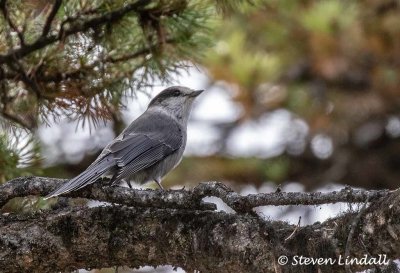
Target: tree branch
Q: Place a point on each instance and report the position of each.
(246, 203)
(75, 74)
(16, 120)
(208, 241)
(50, 18)
(110, 236)
(181, 199)
(27, 79)
(44, 41)
(3, 7)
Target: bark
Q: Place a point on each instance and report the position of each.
(195, 237)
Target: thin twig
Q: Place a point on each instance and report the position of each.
(294, 231)
(50, 18)
(80, 72)
(144, 51)
(44, 41)
(5, 105)
(360, 240)
(16, 120)
(27, 79)
(3, 7)
(351, 234)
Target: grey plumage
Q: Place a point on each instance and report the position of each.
(150, 147)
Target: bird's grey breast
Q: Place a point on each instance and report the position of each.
(174, 136)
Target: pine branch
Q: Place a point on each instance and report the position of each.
(74, 28)
(76, 74)
(4, 9)
(16, 119)
(105, 50)
(50, 18)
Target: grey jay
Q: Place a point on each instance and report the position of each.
(150, 147)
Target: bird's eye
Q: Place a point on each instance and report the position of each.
(176, 93)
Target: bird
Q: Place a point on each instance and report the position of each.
(149, 148)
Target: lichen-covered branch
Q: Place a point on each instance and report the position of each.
(109, 236)
(178, 199)
(247, 203)
(195, 239)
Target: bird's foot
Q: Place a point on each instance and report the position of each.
(129, 183)
(159, 184)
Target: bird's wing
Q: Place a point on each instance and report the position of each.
(149, 139)
(145, 146)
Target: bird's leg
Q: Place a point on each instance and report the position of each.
(112, 180)
(158, 181)
(129, 183)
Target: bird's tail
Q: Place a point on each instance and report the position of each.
(87, 177)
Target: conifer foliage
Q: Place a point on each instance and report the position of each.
(78, 59)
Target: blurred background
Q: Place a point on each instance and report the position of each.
(301, 95)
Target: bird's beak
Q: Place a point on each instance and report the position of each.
(195, 93)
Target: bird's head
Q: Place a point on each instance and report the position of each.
(176, 100)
